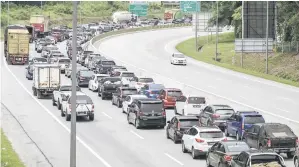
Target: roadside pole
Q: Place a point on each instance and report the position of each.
(196, 27)
(267, 32)
(74, 84)
(242, 33)
(216, 54)
(8, 13)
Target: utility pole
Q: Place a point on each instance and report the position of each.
(267, 33)
(8, 11)
(196, 27)
(216, 54)
(74, 83)
(242, 33)
(41, 6)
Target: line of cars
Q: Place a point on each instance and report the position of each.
(202, 129)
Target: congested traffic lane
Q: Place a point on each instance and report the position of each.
(275, 100)
(117, 142)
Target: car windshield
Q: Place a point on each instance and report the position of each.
(83, 99)
(69, 88)
(156, 86)
(188, 122)
(237, 147)
(86, 73)
(108, 63)
(150, 107)
(196, 100)
(211, 134)
(128, 75)
(224, 112)
(262, 158)
(253, 119)
(178, 56)
(146, 80)
(129, 91)
(39, 60)
(64, 61)
(174, 93)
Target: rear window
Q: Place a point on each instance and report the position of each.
(279, 131)
(64, 61)
(178, 56)
(108, 63)
(188, 122)
(145, 80)
(86, 73)
(174, 93)
(237, 147)
(83, 99)
(224, 112)
(196, 100)
(149, 107)
(128, 75)
(129, 91)
(256, 159)
(156, 86)
(211, 134)
(253, 119)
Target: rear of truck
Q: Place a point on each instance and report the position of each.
(17, 46)
(46, 80)
(40, 24)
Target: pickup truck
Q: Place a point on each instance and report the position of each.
(46, 79)
(258, 158)
(61, 94)
(103, 66)
(107, 86)
(272, 136)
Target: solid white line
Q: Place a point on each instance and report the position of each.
(56, 119)
(136, 134)
(220, 96)
(171, 157)
(106, 115)
(282, 110)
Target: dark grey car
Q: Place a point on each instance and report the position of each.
(221, 153)
(216, 115)
(83, 77)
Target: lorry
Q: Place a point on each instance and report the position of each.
(31, 32)
(40, 24)
(46, 79)
(16, 44)
(61, 94)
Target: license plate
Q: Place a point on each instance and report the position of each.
(196, 106)
(211, 143)
(81, 113)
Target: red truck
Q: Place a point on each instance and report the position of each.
(40, 24)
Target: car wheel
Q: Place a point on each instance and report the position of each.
(68, 117)
(103, 97)
(62, 113)
(137, 124)
(89, 87)
(167, 134)
(91, 117)
(128, 119)
(175, 140)
(194, 156)
(58, 105)
(118, 104)
(296, 162)
(112, 102)
(34, 92)
(184, 150)
(53, 101)
(290, 154)
(226, 132)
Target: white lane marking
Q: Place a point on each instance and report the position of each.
(238, 74)
(282, 110)
(107, 115)
(57, 120)
(171, 157)
(136, 134)
(208, 92)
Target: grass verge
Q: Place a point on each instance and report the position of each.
(9, 157)
(283, 68)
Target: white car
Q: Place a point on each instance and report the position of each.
(85, 107)
(129, 99)
(63, 63)
(94, 81)
(199, 139)
(142, 81)
(178, 58)
(190, 105)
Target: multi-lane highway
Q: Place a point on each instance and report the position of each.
(110, 140)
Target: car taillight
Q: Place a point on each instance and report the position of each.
(269, 143)
(82, 78)
(225, 139)
(199, 140)
(215, 115)
(227, 158)
(179, 126)
(92, 108)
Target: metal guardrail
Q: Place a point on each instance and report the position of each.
(123, 31)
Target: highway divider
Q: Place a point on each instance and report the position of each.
(130, 30)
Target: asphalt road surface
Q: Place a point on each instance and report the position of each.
(109, 140)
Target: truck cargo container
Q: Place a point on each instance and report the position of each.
(40, 24)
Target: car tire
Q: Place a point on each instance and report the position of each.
(53, 101)
(226, 132)
(208, 162)
(112, 101)
(118, 104)
(184, 150)
(194, 156)
(296, 162)
(167, 134)
(62, 113)
(58, 105)
(290, 155)
(91, 117)
(39, 94)
(34, 92)
(175, 140)
(128, 119)
(67, 117)
(103, 97)
(137, 125)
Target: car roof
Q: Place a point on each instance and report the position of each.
(195, 96)
(148, 100)
(218, 106)
(102, 75)
(243, 113)
(258, 152)
(138, 96)
(207, 128)
(172, 89)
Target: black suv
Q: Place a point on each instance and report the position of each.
(275, 136)
(103, 66)
(107, 86)
(216, 115)
(121, 93)
(257, 158)
(178, 125)
(147, 112)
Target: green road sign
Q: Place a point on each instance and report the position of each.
(139, 9)
(190, 6)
